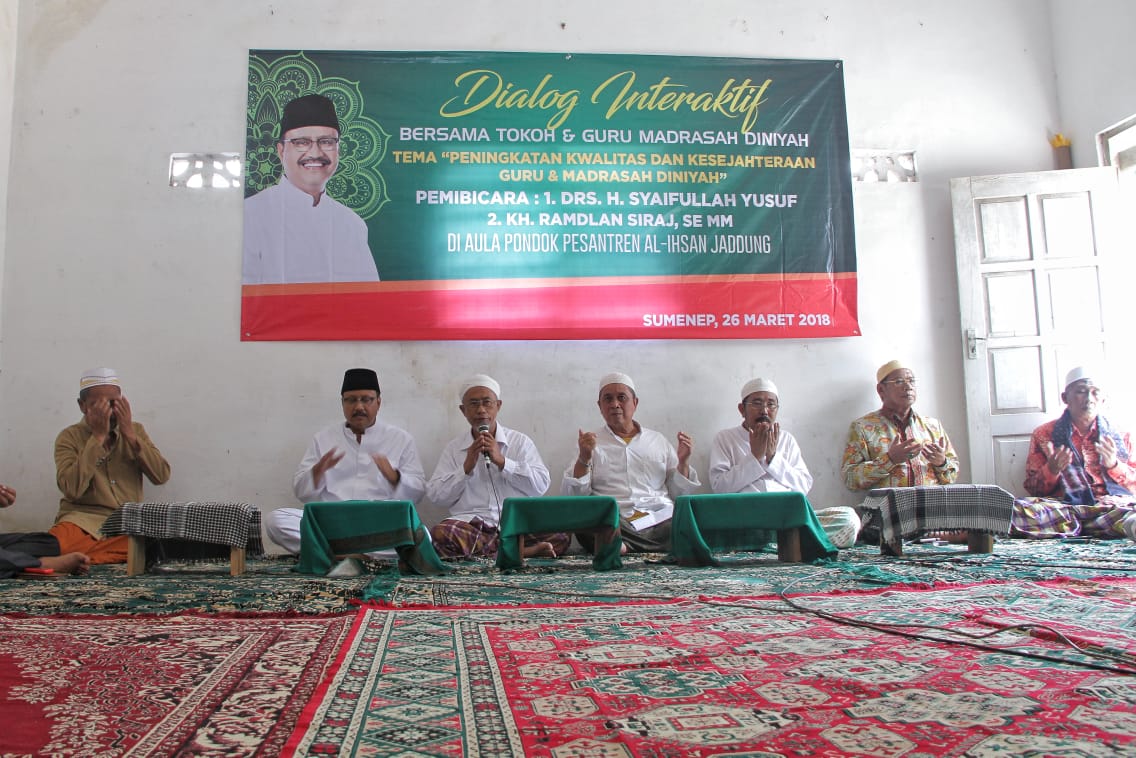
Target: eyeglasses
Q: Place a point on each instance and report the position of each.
(768, 404)
(364, 399)
(905, 382)
(480, 402)
(326, 144)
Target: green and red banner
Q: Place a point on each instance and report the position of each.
(549, 196)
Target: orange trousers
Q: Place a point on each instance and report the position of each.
(73, 539)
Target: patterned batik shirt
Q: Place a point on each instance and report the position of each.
(866, 464)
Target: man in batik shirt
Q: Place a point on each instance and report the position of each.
(895, 446)
(1079, 470)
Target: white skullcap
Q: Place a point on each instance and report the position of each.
(1081, 373)
(889, 367)
(93, 377)
(479, 380)
(616, 377)
(758, 385)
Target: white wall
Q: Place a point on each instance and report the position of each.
(1096, 70)
(106, 265)
(9, 12)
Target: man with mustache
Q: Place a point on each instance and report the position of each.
(895, 446)
(636, 466)
(99, 463)
(293, 231)
(360, 458)
(1079, 470)
(477, 471)
(760, 456)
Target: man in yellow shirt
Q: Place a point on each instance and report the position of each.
(99, 463)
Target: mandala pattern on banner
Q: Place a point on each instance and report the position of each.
(739, 678)
(177, 685)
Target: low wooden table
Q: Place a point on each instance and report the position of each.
(539, 515)
(903, 513)
(333, 529)
(234, 524)
(698, 519)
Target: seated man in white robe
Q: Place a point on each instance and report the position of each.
(360, 458)
(759, 456)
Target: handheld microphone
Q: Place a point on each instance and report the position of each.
(484, 429)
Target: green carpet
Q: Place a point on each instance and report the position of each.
(270, 586)
(653, 578)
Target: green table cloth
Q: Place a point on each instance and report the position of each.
(538, 515)
(700, 519)
(328, 530)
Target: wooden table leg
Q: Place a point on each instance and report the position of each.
(135, 555)
(789, 545)
(236, 561)
(893, 549)
(521, 549)
(979, 543)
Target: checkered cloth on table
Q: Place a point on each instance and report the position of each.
(233, 524)
(906, 512)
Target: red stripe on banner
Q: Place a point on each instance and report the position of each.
(682, 308)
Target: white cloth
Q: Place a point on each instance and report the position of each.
(355, 477)
(287, 239)
(641, 475)
(841, 524)
(734, 469)
(480, 493)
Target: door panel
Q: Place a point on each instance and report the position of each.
(1035, 253)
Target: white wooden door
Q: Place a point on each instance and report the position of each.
(1040, 272)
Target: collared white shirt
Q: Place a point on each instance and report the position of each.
(641, 474)
(287, 239)
(356, 476)
(734, 469)
(480, 493)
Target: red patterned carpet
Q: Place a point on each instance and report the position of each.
(159, 686)
(1027, 652)
(746, 676)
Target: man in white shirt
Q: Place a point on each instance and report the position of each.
(477, 471)
(293, 231)
(362, 459)
(760, 456)
(636, 466)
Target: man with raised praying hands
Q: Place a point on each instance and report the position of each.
(759, 456)
(1079, 471)
(635, 465)
(99, 465)
(895, 446)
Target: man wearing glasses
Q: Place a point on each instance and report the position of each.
(293, 231)
(895, 446)
(476, 472)
(359, 459)
(1079, 471)
(759, 456)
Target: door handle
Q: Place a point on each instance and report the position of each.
(972, 340)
